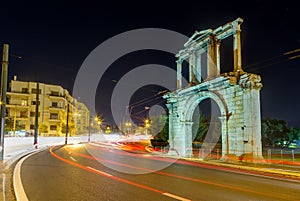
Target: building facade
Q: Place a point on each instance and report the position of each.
(53, 102)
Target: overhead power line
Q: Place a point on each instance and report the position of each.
(291, 52)
(272, 61)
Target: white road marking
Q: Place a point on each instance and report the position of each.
(176, 197)
(104, 173)
(3, 186)
(17, 182)
(282, 170)
(73, 159)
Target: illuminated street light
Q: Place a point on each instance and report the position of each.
(128, 127)
(98, 120)
(147, 125)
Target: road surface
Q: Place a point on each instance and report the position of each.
(89, 172)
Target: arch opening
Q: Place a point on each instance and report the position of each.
(206, 130)
(217, 109)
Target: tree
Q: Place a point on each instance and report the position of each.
(71, 128)
(9, 124)
(160, 127)
(292, 135)
(274, 131)
(62, 125)
(43, 128)
(202, 128)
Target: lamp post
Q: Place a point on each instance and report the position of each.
(67, 125)
(36, 129)
(15, 121)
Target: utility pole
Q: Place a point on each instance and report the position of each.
(67, 125)
(36, 130)
(3, 96)
(15, 121)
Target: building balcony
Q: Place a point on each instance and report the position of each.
(57, 96)
(20, 106)
(54, 120)
(17, 93)
(56, 108)
(21, 117)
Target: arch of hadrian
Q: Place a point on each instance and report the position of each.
(236, 93)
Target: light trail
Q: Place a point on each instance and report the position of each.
(172, 175)
(90, 169)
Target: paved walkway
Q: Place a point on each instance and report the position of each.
(267, 169)
(17, 147)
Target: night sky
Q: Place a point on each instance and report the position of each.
(53, 39)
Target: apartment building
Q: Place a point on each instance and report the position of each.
(53, 102)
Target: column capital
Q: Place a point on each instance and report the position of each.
(179, 61)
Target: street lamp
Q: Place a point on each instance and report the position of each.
(99, 122)
(147, 125)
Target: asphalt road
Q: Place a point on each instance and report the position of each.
(85, 172)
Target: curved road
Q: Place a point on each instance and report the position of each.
(88, 172)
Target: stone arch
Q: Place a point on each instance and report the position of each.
(236, 93)
(192, 103)
(195, 99)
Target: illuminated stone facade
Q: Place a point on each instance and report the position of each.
(236, 93)
(53, 100)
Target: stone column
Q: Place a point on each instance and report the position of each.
(198, 67)
(237, 51)
(218, 57)
(211, 59)
(170, 108)
(256, 135)
(192, 67)
(252, 116)
(179, 73)
(187, 150)
(225, 145)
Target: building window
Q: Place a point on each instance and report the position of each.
(23, 114)
(53, 115)
(54, 93)
(53, 127)
(54, 104)
(33, 90)
(24, 90)
(34, 102)
(24, 102)
(32, 114)
(32, 126)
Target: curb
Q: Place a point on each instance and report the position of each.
(288, 175)
(293, 176)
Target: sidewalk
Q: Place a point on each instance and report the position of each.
(265, 169)
(291, 172)
(17, 147)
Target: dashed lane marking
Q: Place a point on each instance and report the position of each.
(176, 197)
(73, 159)
(95, 170)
